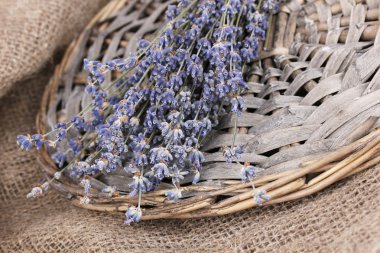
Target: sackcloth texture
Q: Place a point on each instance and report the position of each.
(342, 218)
(32, 30)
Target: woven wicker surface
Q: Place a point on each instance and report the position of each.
(312, 93)
(342, 218)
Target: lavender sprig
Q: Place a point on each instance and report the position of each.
(170, 95)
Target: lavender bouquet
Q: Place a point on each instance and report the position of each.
(152, 121)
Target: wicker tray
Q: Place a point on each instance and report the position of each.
(312, 107)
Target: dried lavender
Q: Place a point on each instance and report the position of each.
(152, 120)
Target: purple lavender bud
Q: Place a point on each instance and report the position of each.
(37, 141)
(134, 122)
(45, 186)
(35, 192)
(91, 89)
(140, 159)
(139, 183)
(247, 172)
(178, 151)
(197, 177)
(79, 168)
(61, 134)
(259, 196)
(160, 154)
(206, 126)
(143, 44)
(174, 117)
(75, 145)
(109, 189)
(177, 136)
(86, 64)
(78, 122)
(165, 129)
(161, 170)
(138, 142)
(237, 105)
(57, 175)
(25, 142)
(59, 158)
(238, 151)
(173, 195)
(86, 183)
(191, 141)
(196, 157)
(229, 154)
(177, 174)
(133, 214)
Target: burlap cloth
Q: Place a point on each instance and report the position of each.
(342, 218)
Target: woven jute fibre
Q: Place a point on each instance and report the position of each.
(32, 30)
(342, 218)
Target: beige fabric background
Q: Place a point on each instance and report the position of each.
(342, 218)
(32, 30)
